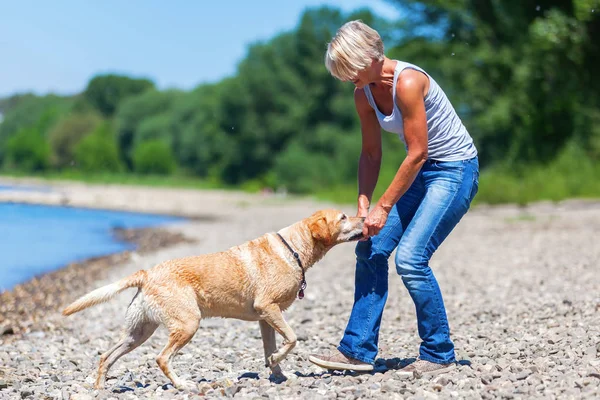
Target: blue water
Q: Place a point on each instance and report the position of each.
(35, 239)
(25, 188)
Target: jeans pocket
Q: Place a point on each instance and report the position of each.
(474, 185)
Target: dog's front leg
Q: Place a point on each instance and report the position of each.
(270, 345)
(271, 314)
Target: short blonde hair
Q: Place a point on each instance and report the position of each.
(353, 48)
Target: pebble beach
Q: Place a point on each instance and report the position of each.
(520, 284)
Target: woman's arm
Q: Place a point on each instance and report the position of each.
(370, 155)
(410, 98)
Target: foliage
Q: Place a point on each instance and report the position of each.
(521, 71)
(143, 117)
(154, 157)
(27, 151)
(98, 152)
(106, 92)
(30, 111)
(571, 175)
(67, 133)
(521, 74)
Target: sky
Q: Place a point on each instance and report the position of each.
(56, 47)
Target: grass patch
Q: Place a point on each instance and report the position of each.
(571, 175)
(175, 181)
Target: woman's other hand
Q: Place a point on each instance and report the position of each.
(375, 221)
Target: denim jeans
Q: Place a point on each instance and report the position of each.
(423, 217)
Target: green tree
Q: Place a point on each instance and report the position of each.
(201, 142)
(281, 91)
(326, 158)
(30, 111)
(98, 152)
(106, 92)
(27, 151)
(66, 135)
(145, 116)
(519, 71)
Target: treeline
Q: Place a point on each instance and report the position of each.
(520, 73)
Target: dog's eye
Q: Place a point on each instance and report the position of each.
(343, 217)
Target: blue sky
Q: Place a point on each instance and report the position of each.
(58, 46)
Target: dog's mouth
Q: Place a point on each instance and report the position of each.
(356, 236)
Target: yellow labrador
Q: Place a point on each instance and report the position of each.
(254, 281)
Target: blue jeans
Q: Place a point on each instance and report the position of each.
(423, 217)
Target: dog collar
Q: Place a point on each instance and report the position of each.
(297, 257)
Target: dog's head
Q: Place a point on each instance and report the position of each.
(331, 227)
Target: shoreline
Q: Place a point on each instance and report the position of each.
(193, 204)
(520, 287)
(23, 307)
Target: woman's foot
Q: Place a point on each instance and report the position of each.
(422, 368)
(339, 361)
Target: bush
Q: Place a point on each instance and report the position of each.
(327, 159)
(302, 171)
(154, 157)
(572, 174)
(27, 151)
(67, 134)
(98, 152)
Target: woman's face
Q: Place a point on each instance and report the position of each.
(362, 78)
(365, 76)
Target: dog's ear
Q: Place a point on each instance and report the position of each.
(320, 229)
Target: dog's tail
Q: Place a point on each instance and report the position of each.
(105, 293)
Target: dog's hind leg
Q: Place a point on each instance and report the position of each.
(138, 329)
(271, 313)
(180, 333)
(270, 345)
(181, 316)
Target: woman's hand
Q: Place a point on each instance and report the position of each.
(375, 221)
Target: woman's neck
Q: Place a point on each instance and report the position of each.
(384, 73)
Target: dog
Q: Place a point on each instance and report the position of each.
(255, 281)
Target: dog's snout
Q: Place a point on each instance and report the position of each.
(361, 222)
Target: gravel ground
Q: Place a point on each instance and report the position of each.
(520, 286)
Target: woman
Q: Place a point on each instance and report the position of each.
(432, 190)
